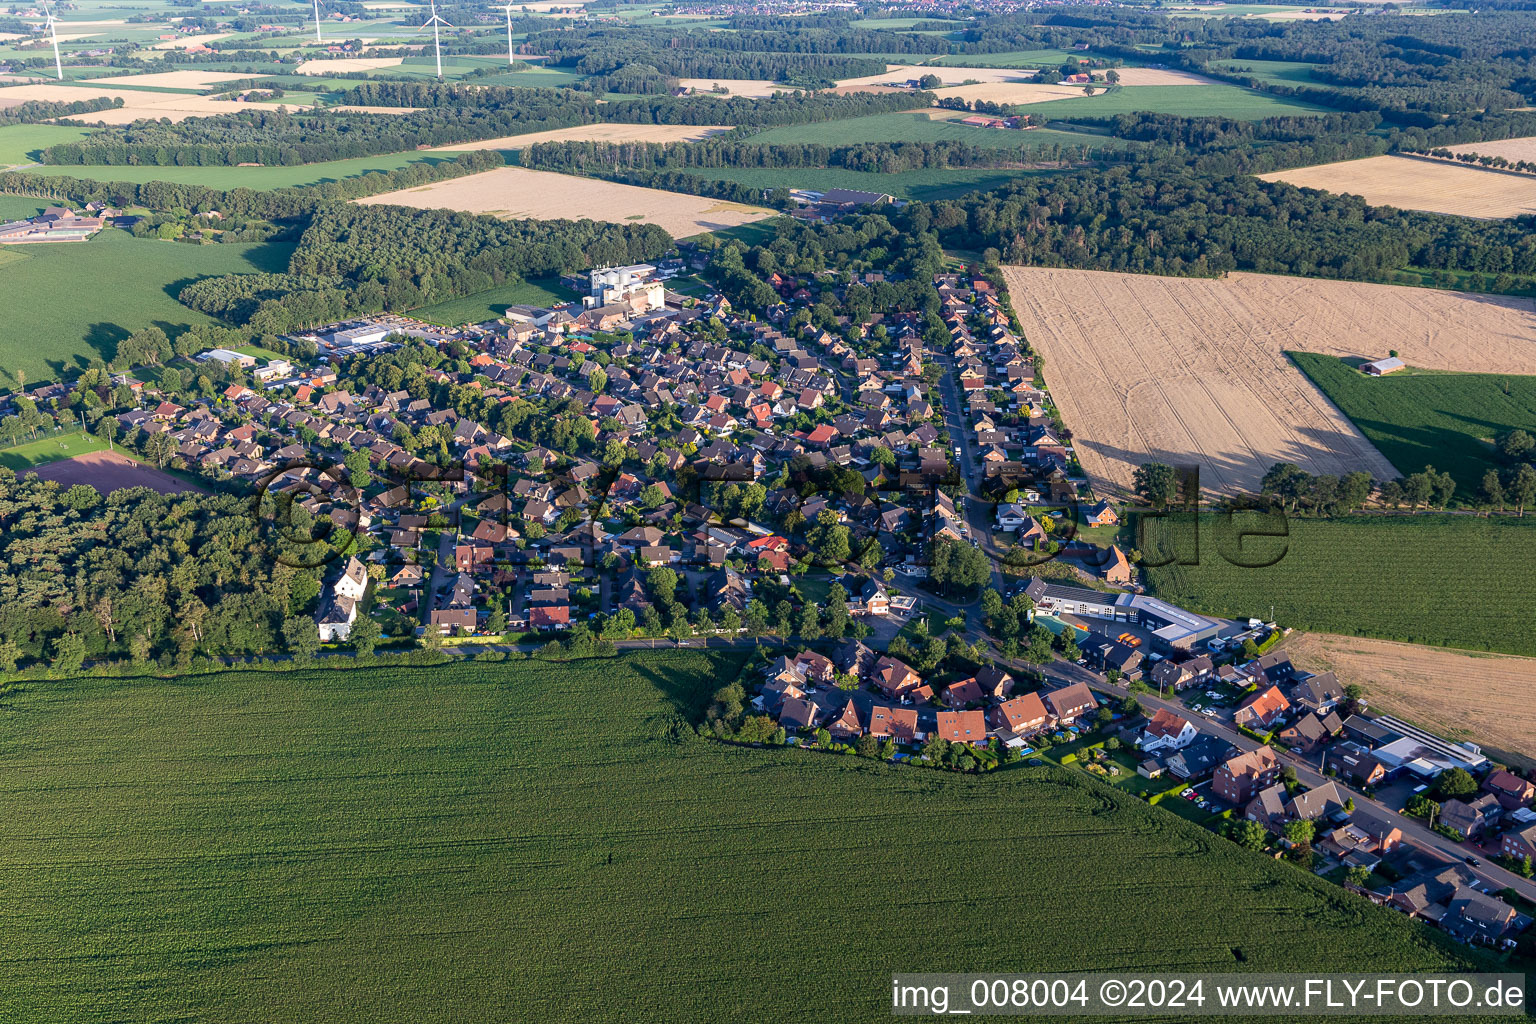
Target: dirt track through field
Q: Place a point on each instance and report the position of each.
(1182, 371)
(597, 133)
(1414, 183)
(1488, 699)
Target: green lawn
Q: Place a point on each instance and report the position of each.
(70, 302)
(1184, 100)
(1452, 581)
(911, 126)
(532, 842)
(488, 305)
(1445, 420)
(31, 454)
(20, 143)
(246, 177)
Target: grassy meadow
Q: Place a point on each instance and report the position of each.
(534, 842)
(492, 303)
(1450, 581)
(1274, 72)
(21, 143)
(68, 303)
(1445, 420)
(913, 126)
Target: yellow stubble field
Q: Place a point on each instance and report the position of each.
(1414, 183)
(516, 192)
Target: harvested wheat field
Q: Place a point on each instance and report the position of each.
(340, 65)
(1184, 371)
(1509, 149)
(900, 74)
(173, 79)
(733, 86)
(137, 103)
(1157, 76)
(597, 133)
(1413, 183)
(516, 192)
(1011, 92)
(1487, 698)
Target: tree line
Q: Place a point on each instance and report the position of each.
(263, 204)
(872, 157)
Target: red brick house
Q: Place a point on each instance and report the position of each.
(963, 727)
(899, 724)
(1070, 702)
(1240, 778)
(896, 678)
(1262, 709)
(1512, 791)
(1023, 715)
(1519, 844)
(847, 725)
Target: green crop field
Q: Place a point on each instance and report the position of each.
(909, 126)
(70, 302)
(1274, 72)
(244, 177)
(551, 843)
(1452, 581)
(928, 184)
(20, 143)
(1445, 420)
(488, 305)
(1184, 100)
(19, 208)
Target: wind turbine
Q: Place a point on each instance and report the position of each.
(317, 21)
(50, 23)
(437, 45)
(510, 60)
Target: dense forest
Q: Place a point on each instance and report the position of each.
(363, 259)
(182, 574)
(874, 157)
(1177, 223)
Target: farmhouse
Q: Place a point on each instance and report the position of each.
(55, 224)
